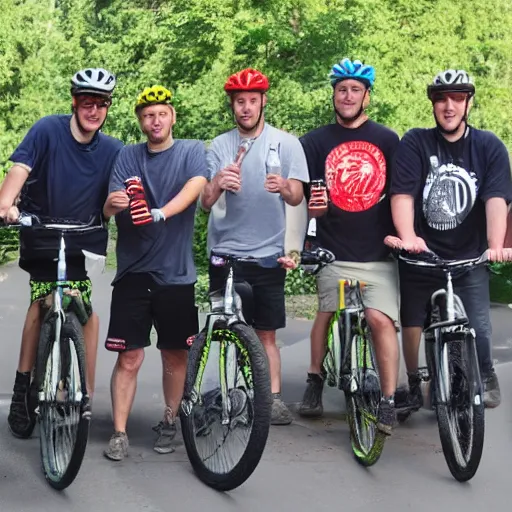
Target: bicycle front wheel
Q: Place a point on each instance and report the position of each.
(64, 413)
(460, 406)
(225, 429)
(363, 394)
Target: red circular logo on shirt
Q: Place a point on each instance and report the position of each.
(355, 175)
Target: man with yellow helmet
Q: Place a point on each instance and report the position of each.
(152, 193)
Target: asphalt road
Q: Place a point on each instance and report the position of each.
(306, 466)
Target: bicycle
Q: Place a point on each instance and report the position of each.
(243, 400)
(63, 410)
(350, 363)
(452, 366)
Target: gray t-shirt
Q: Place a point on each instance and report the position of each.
(252, 221)
(163, 249)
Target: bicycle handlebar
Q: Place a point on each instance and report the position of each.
(26, 220)
(431, 259)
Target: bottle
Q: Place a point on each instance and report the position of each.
(61, 264)
(318, 199)
(139, 209)
(273, 162)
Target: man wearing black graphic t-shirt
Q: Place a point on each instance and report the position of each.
(450, 189)
(353, 156)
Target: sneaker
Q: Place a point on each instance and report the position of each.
(211, 410)
(492, 393)
(166, 433)
(22, 416)
(311, 406)
(387, 416)
(117, 447)
(239, 410)
(281, 415)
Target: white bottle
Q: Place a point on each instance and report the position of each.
(273, 162)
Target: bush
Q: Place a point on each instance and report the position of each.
(299, 283)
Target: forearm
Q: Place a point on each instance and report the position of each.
(188, 195)
(109, 210)
(496, 213)
(210, 194)
(402, 211)
(292, 192)
(12, 185)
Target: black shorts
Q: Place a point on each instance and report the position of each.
(138, 303)
(269, 311)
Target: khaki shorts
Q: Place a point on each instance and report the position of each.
(381, 292)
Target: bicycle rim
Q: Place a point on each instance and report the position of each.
(63, 429)
(363, 399)
(461, 419)
(225, 438)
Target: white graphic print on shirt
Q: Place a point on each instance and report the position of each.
(449, 195)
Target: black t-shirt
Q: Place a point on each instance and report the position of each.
(354, 164)
(450, 183)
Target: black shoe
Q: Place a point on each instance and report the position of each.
(492, 393)
(386, 419)
(311, 406)
(22, 417)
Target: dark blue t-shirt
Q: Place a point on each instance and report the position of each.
(162, 249)
(68, 181)
(450, 183)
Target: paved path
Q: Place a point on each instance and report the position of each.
(306, 466)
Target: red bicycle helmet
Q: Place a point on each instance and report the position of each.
(247, 80)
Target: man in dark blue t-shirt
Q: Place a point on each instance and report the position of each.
(450, 188)
(60, 172)
(153, 192)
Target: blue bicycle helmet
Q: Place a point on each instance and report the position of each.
(356, 70)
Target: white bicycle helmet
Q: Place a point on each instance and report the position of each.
(451, 80)
(96, 81)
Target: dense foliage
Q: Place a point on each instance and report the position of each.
(191, 46)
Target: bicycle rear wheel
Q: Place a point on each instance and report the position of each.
(63, 413)
(224, 454)
(363, 394)
(460, 406)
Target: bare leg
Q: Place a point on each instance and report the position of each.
(174, 363)
(386, 349)
(319, 341)
(411, 339)
(123, 385)
(91, 334)
(30, 338)
(268, 339)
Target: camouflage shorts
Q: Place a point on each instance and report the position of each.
(41, 289)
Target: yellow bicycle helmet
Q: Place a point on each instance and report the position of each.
(155, 95)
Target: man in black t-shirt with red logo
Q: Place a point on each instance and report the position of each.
(353, 156)
(450, 189)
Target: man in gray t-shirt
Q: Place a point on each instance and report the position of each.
(153, 191)
(247, 197)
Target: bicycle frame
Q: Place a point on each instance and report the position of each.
(456, 321)
(225, 310)
(354, 308)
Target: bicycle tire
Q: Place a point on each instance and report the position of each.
(359, 417)
(71, 329)
(261, 419)
(463, 472)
